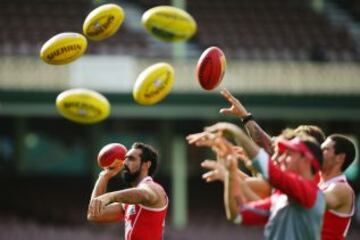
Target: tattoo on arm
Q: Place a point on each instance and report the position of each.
(131, 196)
(239, 201)
(259, 136)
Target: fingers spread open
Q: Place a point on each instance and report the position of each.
(209, 164)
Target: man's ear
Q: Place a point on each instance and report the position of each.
(340, 158)
(147, 164)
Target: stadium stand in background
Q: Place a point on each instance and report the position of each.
(28, 24)
(247, 29)
(266, 43)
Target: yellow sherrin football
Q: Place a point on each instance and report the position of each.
(153, 84)
(63, 48)
(103, 22)
(83, 106)
(169, 23)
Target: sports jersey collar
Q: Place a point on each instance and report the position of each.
(335, 179)
(145, 179)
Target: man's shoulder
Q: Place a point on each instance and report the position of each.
(149, 181)
(340, 187)
(156, 190)
(153, 186)
(341, 191)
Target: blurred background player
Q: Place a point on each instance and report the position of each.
(245, 211)
(338, 153)
(298, 211)
(340, 196)
(142, 207)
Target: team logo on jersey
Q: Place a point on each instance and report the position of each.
(131, 210)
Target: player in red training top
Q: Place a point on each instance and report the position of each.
(142, 207)
(338, 153)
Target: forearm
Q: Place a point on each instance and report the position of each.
(242, 175)
(236, 194)
(100, 186)
(248, 193)
(232, 195)
(108, 207)
(249, 145)
(129, 196)
(259, 136)
(259, 186)
(250, 185)
(109, 213)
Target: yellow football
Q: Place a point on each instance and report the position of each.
(63, 48)
(153, 84)
(83, 106)
(103, 22)
(169, 23)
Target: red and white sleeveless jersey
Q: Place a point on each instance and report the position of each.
(144, 223)
(336, 225)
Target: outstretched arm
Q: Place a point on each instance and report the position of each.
(236, 191)
(259, 136)
(257, 185)
(238, 187)
(252, 188)
(301, 190)
(233, 197)
(252, 128)
(250, 147)
(217, 169)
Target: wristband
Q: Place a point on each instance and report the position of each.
(247, 118)
(103, 174)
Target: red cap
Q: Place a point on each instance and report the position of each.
(297, 145)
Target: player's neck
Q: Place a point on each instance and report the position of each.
(138, 180)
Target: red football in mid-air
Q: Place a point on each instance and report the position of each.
(210, 68)
(111, 155)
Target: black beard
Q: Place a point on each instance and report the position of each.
(129, 177)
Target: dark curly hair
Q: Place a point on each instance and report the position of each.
(343, 144)
(148, 153)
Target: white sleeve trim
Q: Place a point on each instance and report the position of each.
(261, 162)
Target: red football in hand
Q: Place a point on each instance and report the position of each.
(111, 155)
(210, 68)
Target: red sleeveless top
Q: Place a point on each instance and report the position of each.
(144, 223)
(336, 225)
